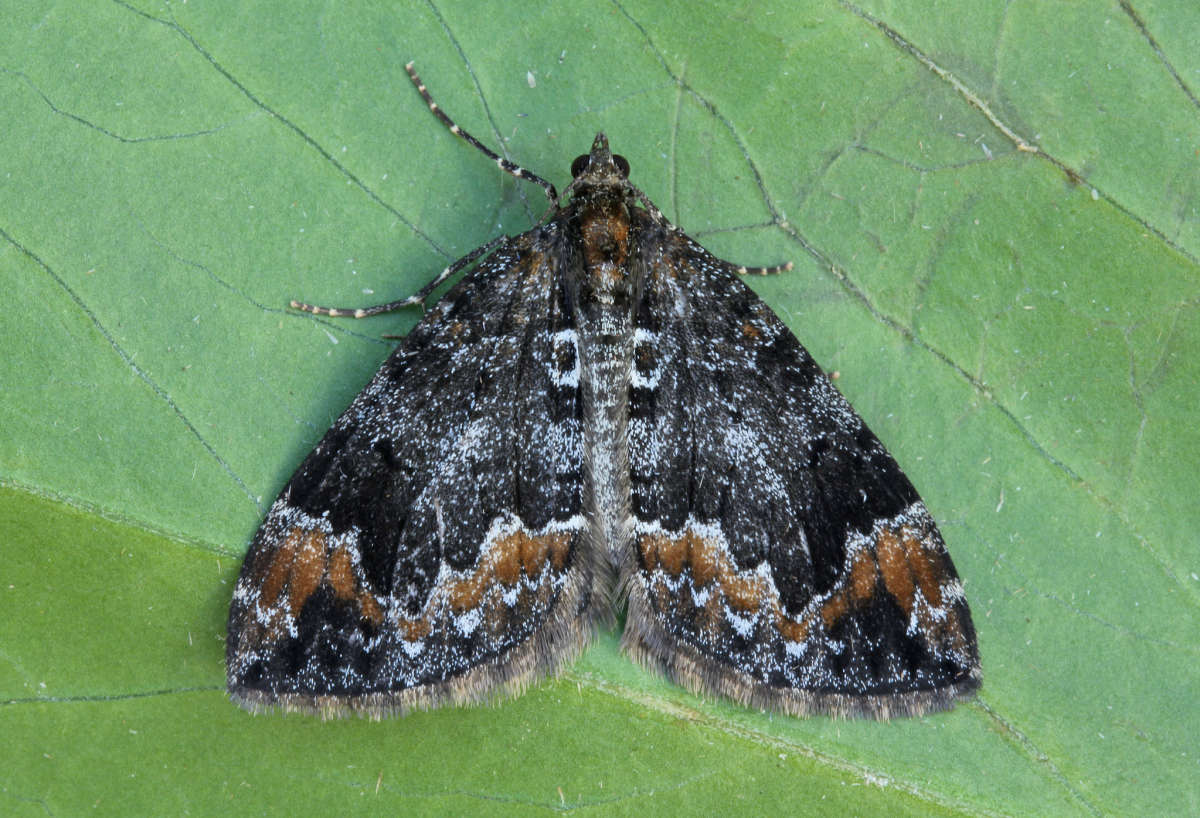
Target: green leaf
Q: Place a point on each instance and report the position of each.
(993, 213)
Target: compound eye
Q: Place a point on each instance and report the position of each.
(622, 165)
(577, 167)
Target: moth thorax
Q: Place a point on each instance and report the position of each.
(604, 229)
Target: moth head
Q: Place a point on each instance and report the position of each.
(600, 167)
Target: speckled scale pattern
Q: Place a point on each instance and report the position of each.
(599, 411)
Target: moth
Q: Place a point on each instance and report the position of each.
(599, 414)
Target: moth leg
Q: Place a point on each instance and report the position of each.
(740, 269)
(761, 271)
(416, 298)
